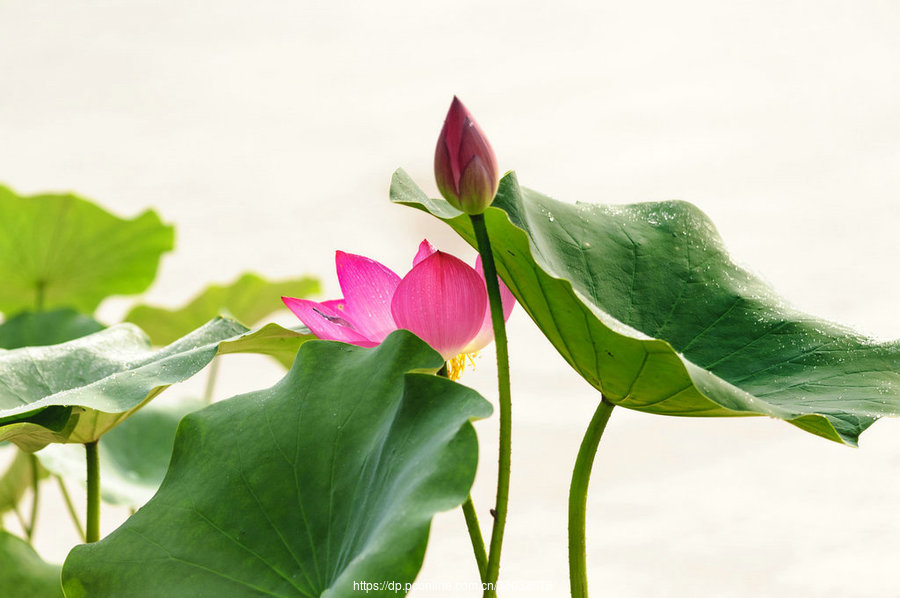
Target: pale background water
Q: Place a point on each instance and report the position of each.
(268, 131)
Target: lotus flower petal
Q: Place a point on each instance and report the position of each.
(326, 321)
(476, 184)
(368, 287)
(442, 301)
(426, 249)
(455, 123)
(474, 144)
(443, 170)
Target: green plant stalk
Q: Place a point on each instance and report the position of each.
(35, 496)
(93, 491)
(21, 519)
(505, 397)
(481, 556)
(471, 516)
(33, 461)
(581, 477)
(72, 513)
(211, 380)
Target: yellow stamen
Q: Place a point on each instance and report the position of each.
(457, 365)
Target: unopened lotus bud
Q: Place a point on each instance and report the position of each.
(464, 163)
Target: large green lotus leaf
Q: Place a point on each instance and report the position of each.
(64, 251)
(645, 303)
(248, 299)
(273, 340)
(79, 390)
(134, 455)
(23, 573)
(46, 328)
(328, 478)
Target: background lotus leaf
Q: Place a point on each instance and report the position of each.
(248, 300)
(64, 251)
(134, 455)
(29, 329)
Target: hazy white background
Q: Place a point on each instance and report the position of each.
(267, 132)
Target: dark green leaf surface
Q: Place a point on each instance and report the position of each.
(64, 251)
(46, 328)
(134, 455)
(23, 573)
(248, 300)
(78, 391)
(645, 303)
(329, 477)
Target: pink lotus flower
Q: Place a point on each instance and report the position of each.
(465, 166)
(441, 300)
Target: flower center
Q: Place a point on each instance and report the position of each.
(457, 365)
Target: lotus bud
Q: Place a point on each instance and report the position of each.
(464, 163)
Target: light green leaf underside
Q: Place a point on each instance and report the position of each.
(79, 390)
(329, 477)
(23, 573)
(248, 300)
(32, 330)
(645, 303)
(134, 455)
(64, 251)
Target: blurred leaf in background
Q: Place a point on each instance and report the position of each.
(248, 300)
(16, 477)
(134, 455)
(64, 251)
(29, 329)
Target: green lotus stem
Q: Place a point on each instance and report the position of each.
(581, 477)
(35, 497)
(505, 451)
(481, 556)
(211, 380)
(20, 518)
(72, 512)
(93, 491)
(471, 516)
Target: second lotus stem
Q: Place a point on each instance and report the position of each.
(92, 531)
(581, 477)
(505, 398)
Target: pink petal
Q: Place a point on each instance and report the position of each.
(451, 135)
(368, 288)
(486, 333)
(442, 301)
(425, 250)
(476, 187)
(444, 174)
(474, 143)
(326, 322)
